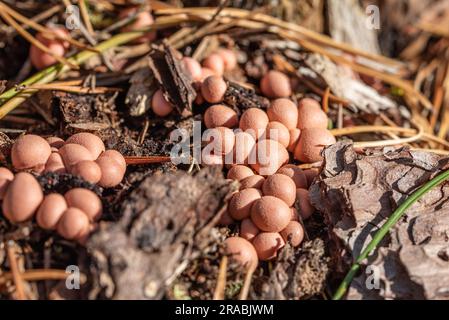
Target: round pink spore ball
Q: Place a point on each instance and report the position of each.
(215, 63)
(275, 84)
(142, 20)
(161, 107)
(193, 68)
(229, 58)
(40, 59)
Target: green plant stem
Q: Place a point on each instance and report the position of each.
(397, 214)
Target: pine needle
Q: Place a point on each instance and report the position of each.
(46, 32)
(146, 159)
(219, 293)
(16, 275)
(85, 16)
(72, 89)
(34, 41)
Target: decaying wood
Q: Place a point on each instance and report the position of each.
(347, 23)
(241, 98)
(357, 192)
(165, 224)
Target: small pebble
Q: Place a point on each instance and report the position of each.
(88, 140)
(22, 198)
(74, 224)
(88, 170)
(296, 174)
(278, 132)
(50, 211)
(29, 152)
(85, 200)
(229, 58)
(310, 115)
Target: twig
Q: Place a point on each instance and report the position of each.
(16, 276)
(73, 89)
(44, 114)
(259, 17)
(39, 275)
(320, 92)
(21, 120)
(340, 116)
(10, 99)
(220, 8)
(326, 99)
(219, 292)
(246, 284)
(390, 142)
(435, 29)
(144, 131)
(46, 32)
(415, 135)
(81, 26)
(34, 41)
(380, 234)
(85, 15)
(390, 79)
(282, 63)
(365, 129)
(146, 159)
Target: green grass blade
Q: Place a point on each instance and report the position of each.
(397, 214)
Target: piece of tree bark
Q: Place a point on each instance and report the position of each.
(357, 192)
(175, 82)
(166, 223)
